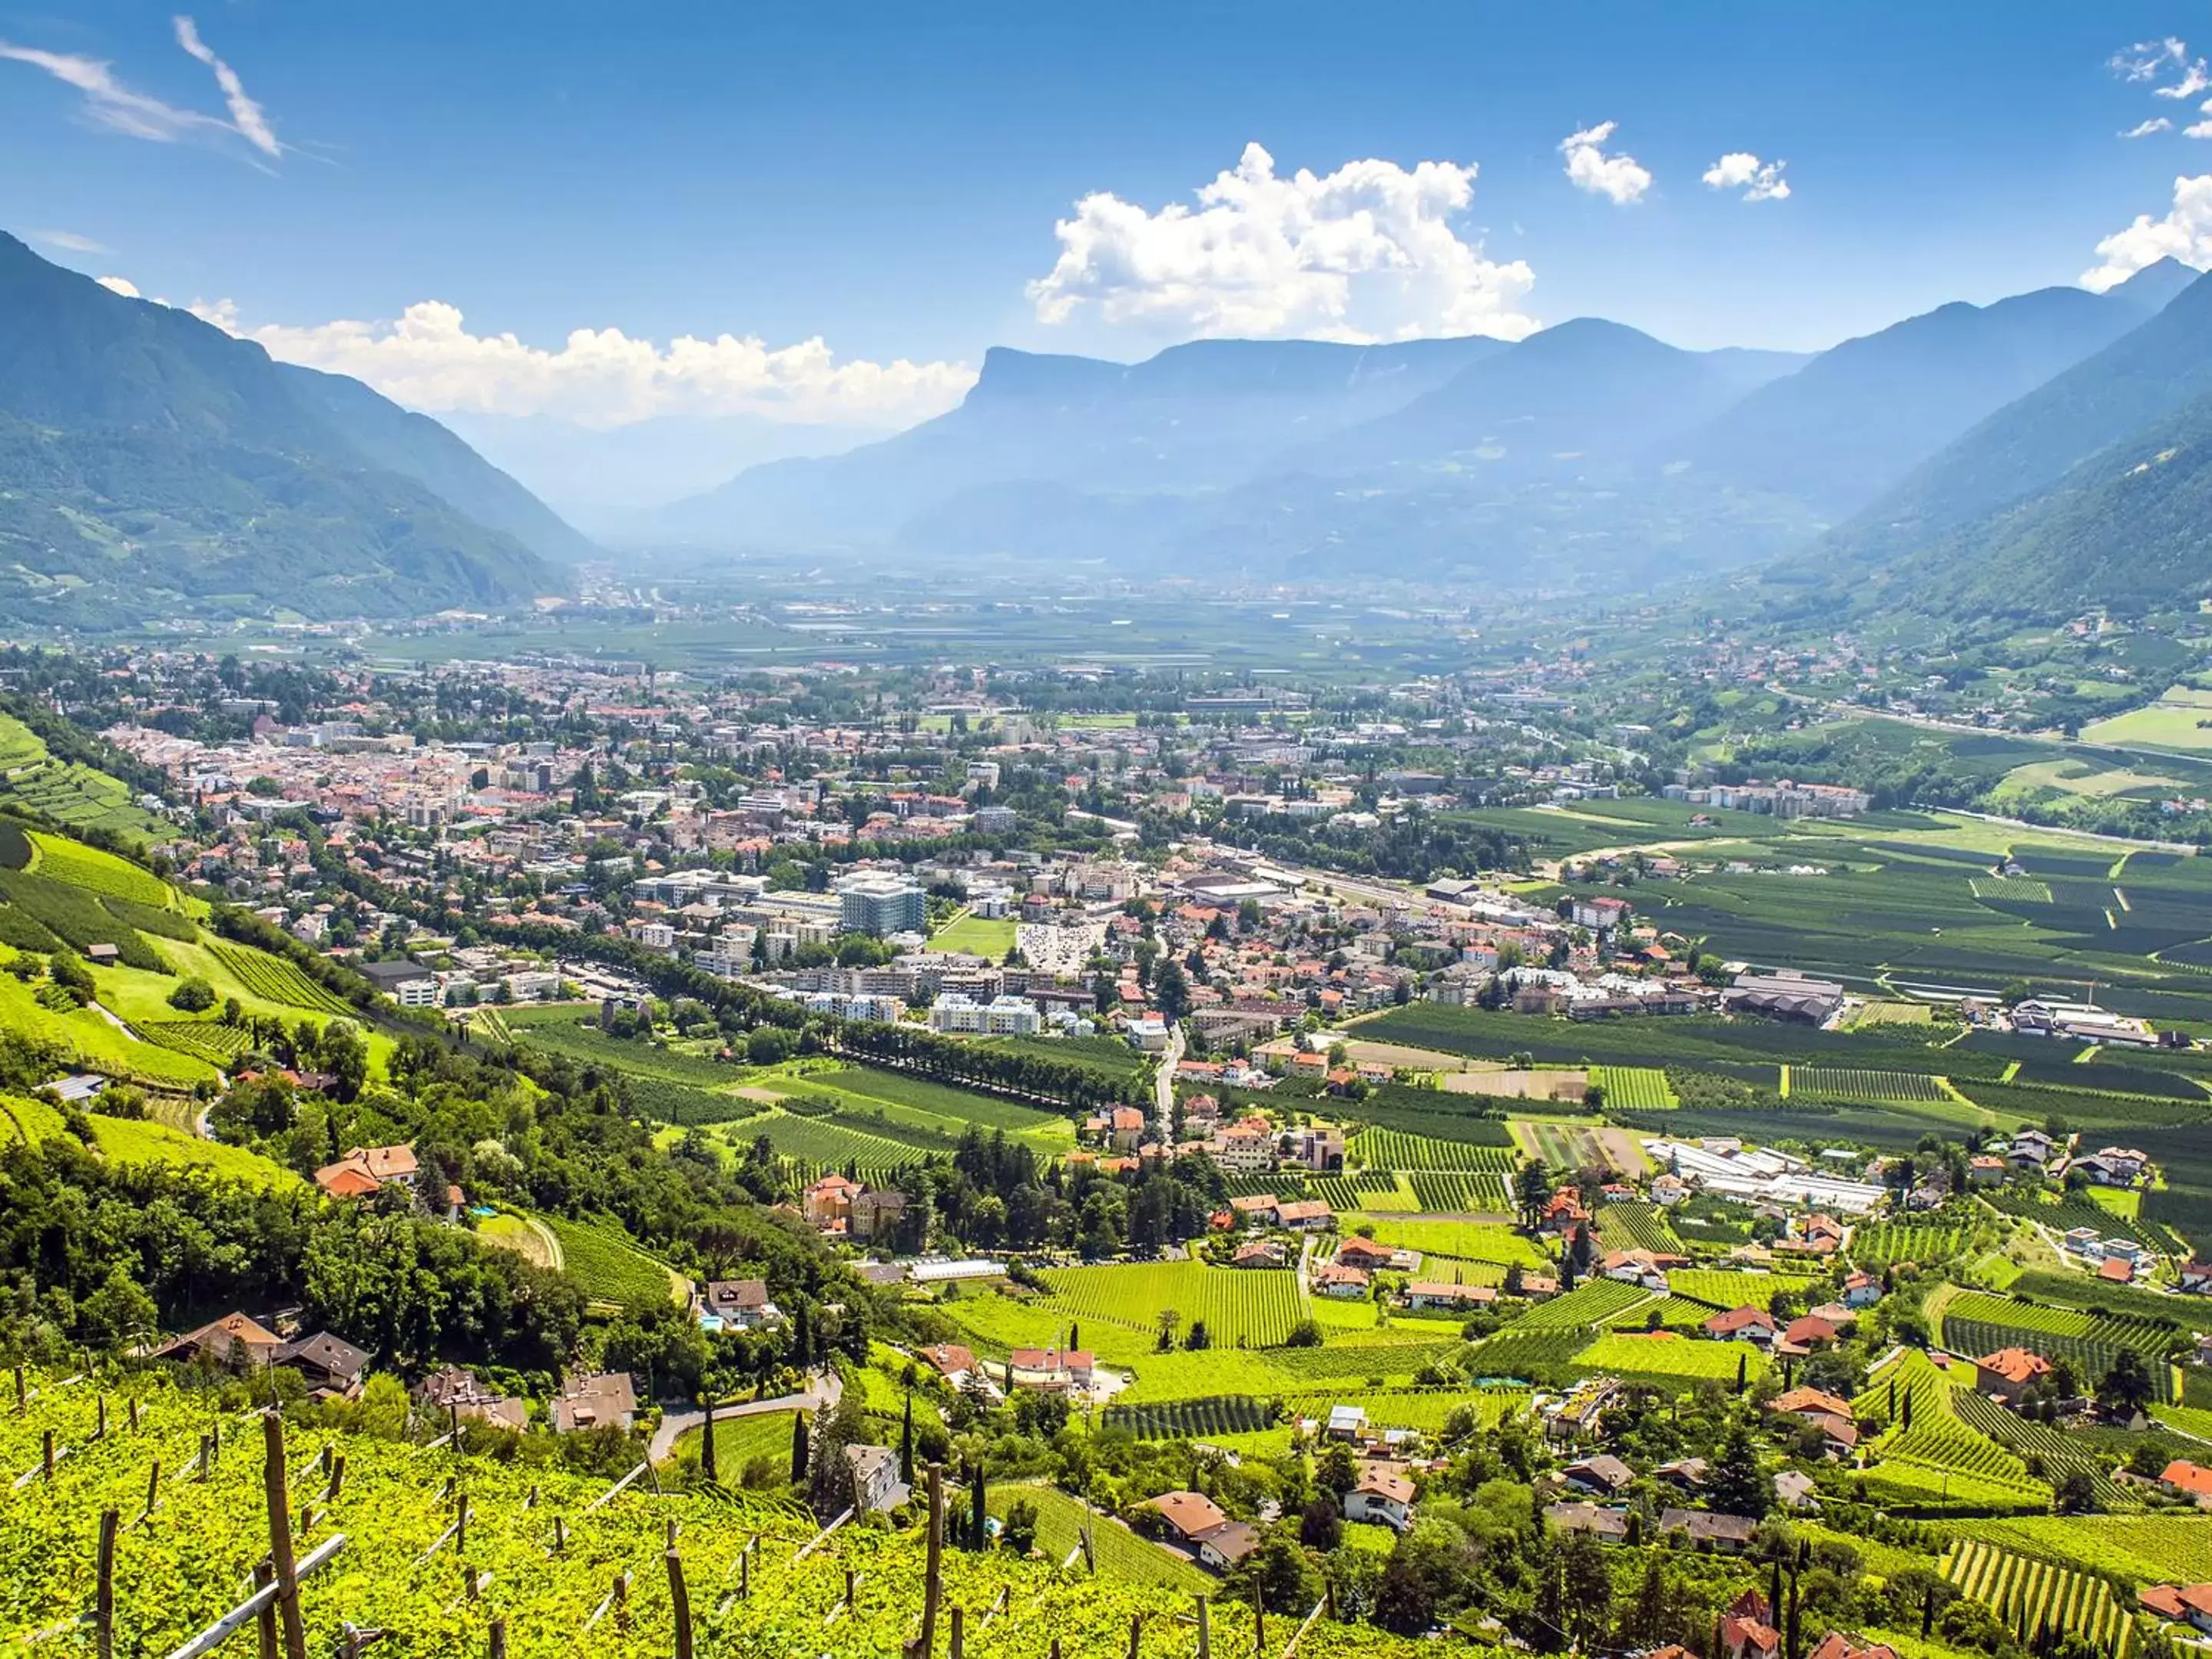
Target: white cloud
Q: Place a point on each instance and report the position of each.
(2185, 233)
(2144, 128)
(111, 103)
(1619, 179)
(2152, 60)
(2197, 129)
(1760, 181)
(601, 378)
(1367, 253)
(246, 116)
(122, 285)
(71, 241)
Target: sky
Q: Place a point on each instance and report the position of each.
(718, 231)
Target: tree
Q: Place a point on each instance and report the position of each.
(1020, 1530)
(194, 995)
(1588, 1583)
(906, 1443)
(2074, 1492)
(1171, 990)
(1735, 1483)
(1320, 1527)
(2127, 1387)
(798, 1447)
(1338, 1474)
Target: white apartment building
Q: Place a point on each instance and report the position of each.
(1003, 1015)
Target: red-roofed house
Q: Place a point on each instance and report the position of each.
(2010, 1372)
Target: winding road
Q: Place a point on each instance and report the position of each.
(822, 1391)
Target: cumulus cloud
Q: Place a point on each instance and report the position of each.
(2183, 234)
(1367, 253)
(122, 285)
(246, 117)
(1760, 181)
(109, 103)
(2144, 128)
(428, 359)
(1619, 179)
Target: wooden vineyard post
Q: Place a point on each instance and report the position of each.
(1259, 1619)
(679, 1602)
(707, 1443)
(22, 1393)
(103, 1601)
(280, 1538)
(1136, 1634)
(461, 1533)
(959, 1633)
(1205, 1629)
(132, 1403)
(560, 1535)
(744, 1578)
(100, 1429)
(932, 1583)
(497, 1639)
(622, 1602)
(153, 1485)
(337, 1478)
(852, 1587)
(207, 1458)
(263, 1576)
(49, 1442)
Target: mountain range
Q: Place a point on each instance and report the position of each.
(153, 466)
(2042, 454)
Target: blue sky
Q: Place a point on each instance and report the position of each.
(888, 177)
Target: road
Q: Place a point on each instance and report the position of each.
(1164, 1084)
(822, 1391)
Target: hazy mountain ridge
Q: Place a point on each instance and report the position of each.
(1588, 453)
(152, 465)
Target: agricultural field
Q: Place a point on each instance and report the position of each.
(68, 792)
(1924, 1239)
(535, 1243)
(757, 1444)
(1569, 1146)
(1590, 1302)
(1856, 1083)
(124, 1140)
(1452, 1194)
(96, 1044)
(2180, 719)
(612, 1270)
(79, 866)
(1120, 1553)
(1722, 1290)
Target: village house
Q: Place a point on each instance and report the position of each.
(1746, 1323)
(736, 1305)
(334, 1369)
(1050, 1370)
(876, 1483)
(607, 1400)
(2010, 1373)
(1382, 1496)
(1599, 1477)
(1342, 1283)
(234, 1339)
(1449, 1299)
(1708, 1529)
(367, 1171)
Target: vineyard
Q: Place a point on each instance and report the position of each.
(1624, 1226)
(1850, 1083)
(204, 1039)
(277, 980)
(1667, 1359)
(1246, 1307)
(613, 1271)
(1393, 1149)
(1635, 1088)
(2065, 1214)
(1457, 1194)
(60, 860)
(1930, 1457)
(1192, 1419)
(1879, 1244)
(1974, 1323)
(1591, 1303)
(443, 1545)
(1537, 1354)
(2030, 1596)
(2151, 1549)
(1466, 1240)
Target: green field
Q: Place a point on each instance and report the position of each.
(2181, 719)
(68, 792)
(1467, 1241)
(990, 937)
(133, 1141)
(1118, 1553)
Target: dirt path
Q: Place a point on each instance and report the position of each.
(822, 1391)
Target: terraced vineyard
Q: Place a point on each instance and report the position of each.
(2055, 1452)
(278, 980)
(2152, 1549)
(2030, 1596)
(1191, 1419)
(1591, 1303)
(1667, 1359)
